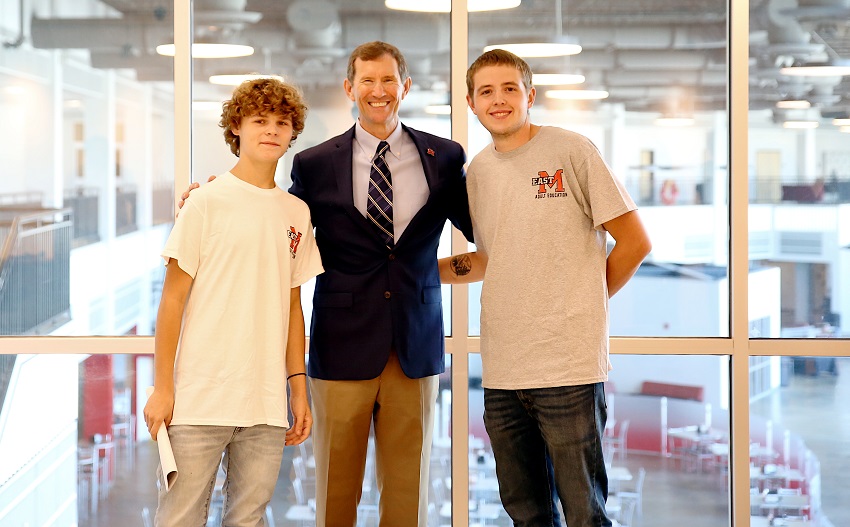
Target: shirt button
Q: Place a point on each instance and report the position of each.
(387, 294)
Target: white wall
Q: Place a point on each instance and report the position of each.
(38, 436)
(711, 372)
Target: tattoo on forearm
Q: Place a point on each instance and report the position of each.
(461, 265)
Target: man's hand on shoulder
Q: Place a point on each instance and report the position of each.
(185, 195)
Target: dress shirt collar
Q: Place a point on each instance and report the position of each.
(369, 143)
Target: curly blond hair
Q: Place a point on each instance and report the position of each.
(262, 96)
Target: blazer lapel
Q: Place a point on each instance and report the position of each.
(342, 166)
(429, 165)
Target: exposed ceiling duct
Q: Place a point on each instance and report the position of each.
(640, 51)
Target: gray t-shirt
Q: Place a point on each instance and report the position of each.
(537, 212)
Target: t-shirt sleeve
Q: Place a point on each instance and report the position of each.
(184, 242)
(306, 262)
(607, 195)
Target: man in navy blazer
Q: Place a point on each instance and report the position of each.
(376, 338)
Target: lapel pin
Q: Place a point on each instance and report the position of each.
(430, 152)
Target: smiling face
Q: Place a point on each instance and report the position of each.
(501, 101)
(264, 137)
(377, 89)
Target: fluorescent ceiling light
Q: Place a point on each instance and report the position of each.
(237, 79)
(818, 69)
(841, 122)
(789, 104)
(844, 129)
(556, 79)
(800, 124)
(577, 95)
(73, 103)
(206, 106)
(203, 50)
(438, 109)
(445, 6)
(536, 48)
(673, 122)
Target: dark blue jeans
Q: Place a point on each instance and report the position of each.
(567, 422)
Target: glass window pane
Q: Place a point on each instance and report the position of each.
(308, 44)
(662, 128)
(87, 458)
(796, 466)
(85, 201)
(665, 441)
(799, 178)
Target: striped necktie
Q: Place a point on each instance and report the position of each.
(379, 206)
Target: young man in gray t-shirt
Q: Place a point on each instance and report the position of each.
(542, 202)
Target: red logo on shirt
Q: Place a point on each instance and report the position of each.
(544, 180)
(294, 240)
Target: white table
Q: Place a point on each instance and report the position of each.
(776, 502)
(613, 505)
(478, 510)
(778, 472)
(618, 473)
(762, 521)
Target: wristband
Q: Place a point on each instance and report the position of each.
(295, 375)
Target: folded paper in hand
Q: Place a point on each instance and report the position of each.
(166, 455)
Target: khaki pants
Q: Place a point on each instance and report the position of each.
(403, 413)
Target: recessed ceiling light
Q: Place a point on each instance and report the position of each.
(438, 109)
(206, 106)
(556, 79)
(835, 68)
(445, 6)
(673, 122)
(205, 50)
(844, 129)
(800, 124)
(534, 47)
(577, 95)
(841, 122)
(793, 104)
(237, 79)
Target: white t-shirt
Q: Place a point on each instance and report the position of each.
(245, 247)
(537, 211)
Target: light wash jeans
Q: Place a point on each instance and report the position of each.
(251, 463)
(567, 422)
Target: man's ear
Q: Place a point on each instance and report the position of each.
(349, 89)
(405, 87)
(471, 102)
(532, 95)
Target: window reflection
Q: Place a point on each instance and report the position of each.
(667, 435)
(795, 469)
(86, 197)
(96, 464)
(661, 126)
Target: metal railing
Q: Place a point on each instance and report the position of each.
(826, 190)
(35, 270)
(163, 204)
(85, 202)
(650, 190)
(7, 365)
(126, 210)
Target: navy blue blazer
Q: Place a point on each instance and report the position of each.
(370, 298)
